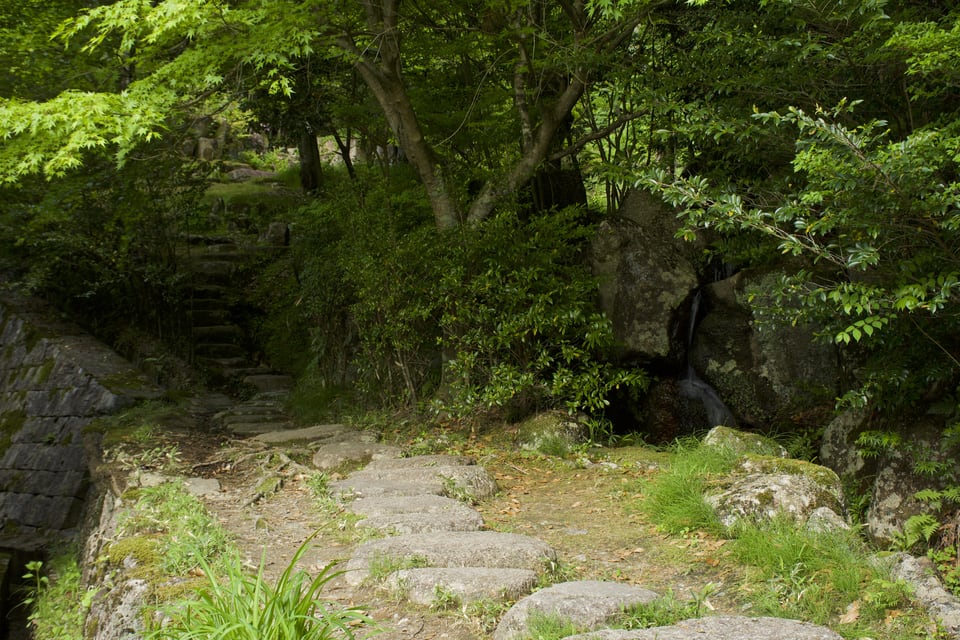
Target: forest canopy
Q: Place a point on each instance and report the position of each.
(826, 131)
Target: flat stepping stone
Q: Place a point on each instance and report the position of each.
(487, 549)
(269, 382)
(257, 428)
(721, 628)
(306, 434)
(462, 481)
(352, 449)
(416, 514)
(586, 603)
(466, 584)
(427, 461)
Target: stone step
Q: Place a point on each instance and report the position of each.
(219, 350)
(258, 428)
(416, 514)
(478, 549)
(222, 333)
(219, 314)
(223, 363)
(466, 584)
(264, 382)
(209, 304)
(203, 291)
(212, 265)
(589, 604)
(460, 481)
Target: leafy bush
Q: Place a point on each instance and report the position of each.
(103, 244)
(497, 315)
(57, 601)
(519, 321)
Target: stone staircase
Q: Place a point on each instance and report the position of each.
(221, 347)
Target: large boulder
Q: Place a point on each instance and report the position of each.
(764, 372)
(890, 479)
(764, 488)
(646, 277)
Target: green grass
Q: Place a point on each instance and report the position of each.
(188, 535)
(675, 498)
(542, 626)
(241, 606)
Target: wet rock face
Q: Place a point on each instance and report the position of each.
(763, 372)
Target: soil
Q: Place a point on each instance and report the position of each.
(585, 508)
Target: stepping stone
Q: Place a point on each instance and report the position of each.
(306, 434)
(436, 460)
(257, 428)
(416, 514)
(586, 603)
(487, 549)
(466, 584)
(352, 450)
(721, 628)
(269, 382)
(461, 481)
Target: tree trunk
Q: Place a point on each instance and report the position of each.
(310, 170)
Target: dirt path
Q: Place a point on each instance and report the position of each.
(582, 509)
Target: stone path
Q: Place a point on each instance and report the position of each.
(435, 548)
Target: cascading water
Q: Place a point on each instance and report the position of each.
(692, 385)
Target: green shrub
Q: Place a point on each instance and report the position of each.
(499, 315)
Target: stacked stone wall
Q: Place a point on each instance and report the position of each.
(54, 379)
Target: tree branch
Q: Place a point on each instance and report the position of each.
(596, 135)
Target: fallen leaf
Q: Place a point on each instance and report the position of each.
(852, 614)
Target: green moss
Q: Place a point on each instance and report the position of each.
(10, 423)
(45, 370)
(143, 552)
(769, 464)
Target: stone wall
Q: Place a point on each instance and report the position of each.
(54, 379)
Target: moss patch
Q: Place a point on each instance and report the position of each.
(10, 423)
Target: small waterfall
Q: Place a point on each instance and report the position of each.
(692, 385)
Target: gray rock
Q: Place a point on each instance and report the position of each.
(466, 584)
(200, 487)
(485, 549)
(423, 462)
(762, 372)
(461, 481)
(336, 455)
(306, 434)
(116, 613)
(416, 514)
(927, 589)
(722, 628)
(646, 276)
(766, 496)
(587, 604)
(551, 430)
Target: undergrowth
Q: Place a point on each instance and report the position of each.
(828, 577)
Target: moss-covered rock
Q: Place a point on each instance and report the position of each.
(743, 442)
(768, 487)
(551, 433)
